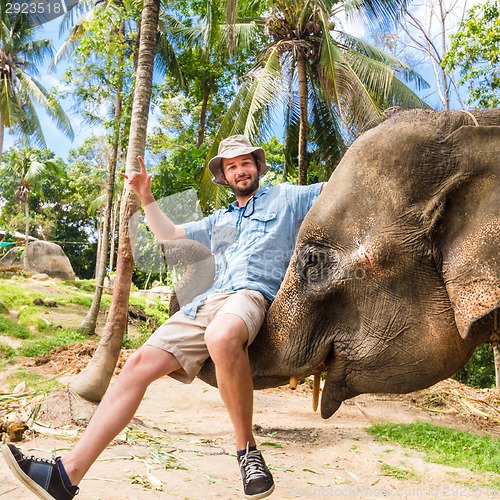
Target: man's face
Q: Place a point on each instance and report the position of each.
(241, 174)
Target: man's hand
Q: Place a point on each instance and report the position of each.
(140, 182)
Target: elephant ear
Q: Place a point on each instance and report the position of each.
(467, 234)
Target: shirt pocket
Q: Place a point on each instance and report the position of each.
(263, 223)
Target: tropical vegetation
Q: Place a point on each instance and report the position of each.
(21, 56)
(288, 74)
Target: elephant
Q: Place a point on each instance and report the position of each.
(394, 280)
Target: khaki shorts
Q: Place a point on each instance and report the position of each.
(185, 337)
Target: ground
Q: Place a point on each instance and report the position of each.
(180, 447)
(180, 444)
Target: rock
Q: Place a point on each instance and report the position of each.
(49, 258)
(12, 257)
(38, 301)
(160, 292)
(150, 303)
(40, 277)
(49, 302)
(15, 431)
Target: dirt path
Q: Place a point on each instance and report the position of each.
(186, 428)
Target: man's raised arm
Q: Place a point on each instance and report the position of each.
(162, 227)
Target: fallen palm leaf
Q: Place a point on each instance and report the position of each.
(60, 433)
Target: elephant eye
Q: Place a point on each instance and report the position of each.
(315, 264)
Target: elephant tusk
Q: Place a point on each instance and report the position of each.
(293, 382)
(316, 384)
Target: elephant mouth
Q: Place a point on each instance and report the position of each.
(317, 374)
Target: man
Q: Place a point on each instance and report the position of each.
(252, 241)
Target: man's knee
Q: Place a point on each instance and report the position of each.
(149, 363)
(225, 339)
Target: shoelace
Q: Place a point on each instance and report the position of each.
(50, 461)
(252, 463)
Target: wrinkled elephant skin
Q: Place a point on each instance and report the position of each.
(394, 280)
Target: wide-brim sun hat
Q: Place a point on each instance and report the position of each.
(231, 147)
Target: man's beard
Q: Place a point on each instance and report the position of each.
(251, 188)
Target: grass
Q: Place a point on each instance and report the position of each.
(39, 333)
(13, 328)
(445, 446)
(399, 473)
(33, 381)
(36, 347)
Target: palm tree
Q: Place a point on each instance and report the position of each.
(93, 381)
(20, 57)
(209, 48)
(30, 168)
(330, 84)
(119, 14)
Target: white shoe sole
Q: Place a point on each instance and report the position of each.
(261, 495)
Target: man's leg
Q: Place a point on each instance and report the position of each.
(226, 339)
(118, 407)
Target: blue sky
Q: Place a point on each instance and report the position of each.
(61, 145)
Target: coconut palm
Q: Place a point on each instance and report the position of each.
(20, 58)
(120, 18)
(329, 83)
(93, 381)
(30, 168)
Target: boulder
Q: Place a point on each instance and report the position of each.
(12, 258)
(49, 258)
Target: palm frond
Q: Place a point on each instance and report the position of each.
(166, 60)
(36, 91)
(375, 13)
(379, 79)
(97, 204)
(68, 21)
(377, 54)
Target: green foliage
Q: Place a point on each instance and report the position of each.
(20, 92)
(83, 285)
(443, 445)
(13, 329)
(479, 370)
(6, 351)
(36, 347)
(102, 63)
(475, 51)
(30, 176)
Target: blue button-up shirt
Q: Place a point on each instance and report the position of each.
(253, 244)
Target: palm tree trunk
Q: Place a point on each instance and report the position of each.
(304, 125)
(26, 231)
(93, 381)
(99, 240)
(496, 357)
(113, 232)
(2, 133)
(203, 114)
(90, 322)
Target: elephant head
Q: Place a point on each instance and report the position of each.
(394, 280)
(395, 276)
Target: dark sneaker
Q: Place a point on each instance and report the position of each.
(40, 475)
(257, 480)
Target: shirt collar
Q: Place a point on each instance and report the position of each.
(234, 205)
